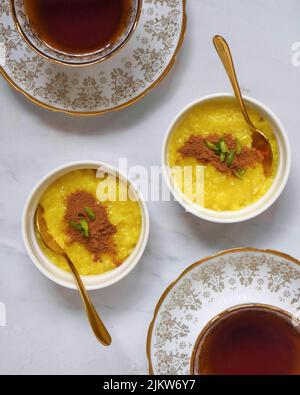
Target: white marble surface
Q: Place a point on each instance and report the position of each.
(46, 329)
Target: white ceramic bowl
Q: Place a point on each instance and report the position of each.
(262, 204)
(49, 269)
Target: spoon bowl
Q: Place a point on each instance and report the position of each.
(43, 231)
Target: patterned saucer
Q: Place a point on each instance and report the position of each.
(93, 90)
(211, 286)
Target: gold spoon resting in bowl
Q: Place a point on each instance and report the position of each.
(97, 325)
(259, 140)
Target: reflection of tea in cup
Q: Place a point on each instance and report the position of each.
(248, 340)
(76, 31)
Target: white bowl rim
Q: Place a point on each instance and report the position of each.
(108, 278)
(246, 213)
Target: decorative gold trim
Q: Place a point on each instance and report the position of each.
(228, 311)
(121, 106)
(52, 60)
(208, 258)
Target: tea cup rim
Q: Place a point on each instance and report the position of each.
(54, 60)
(225, 313)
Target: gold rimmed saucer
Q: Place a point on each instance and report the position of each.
(108, 86)
(243, 276)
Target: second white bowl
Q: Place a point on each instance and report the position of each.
(48, 268)
(262, 204)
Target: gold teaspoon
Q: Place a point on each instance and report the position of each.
(97, 325)
(259, 140)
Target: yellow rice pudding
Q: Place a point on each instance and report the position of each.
(222, 192)
(124, 215)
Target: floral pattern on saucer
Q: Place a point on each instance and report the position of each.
(210, 287)
(110, 85)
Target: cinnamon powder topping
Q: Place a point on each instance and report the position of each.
(225, 154)
(87, 223)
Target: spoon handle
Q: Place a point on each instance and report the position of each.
(225, 55)
(97, 325)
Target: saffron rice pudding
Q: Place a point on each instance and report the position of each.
(214, 135)
(98, 229)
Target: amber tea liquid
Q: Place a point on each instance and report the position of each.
(78, 26)
(250, 341)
